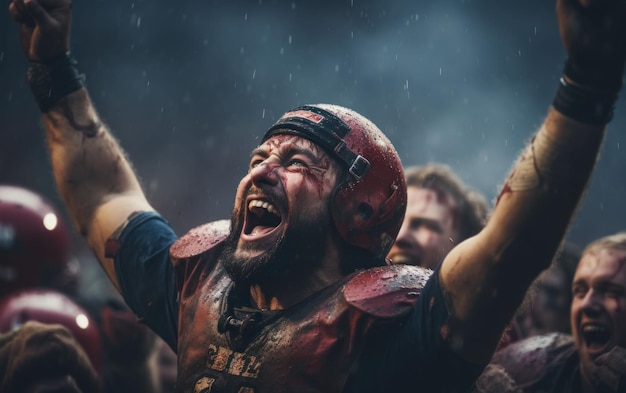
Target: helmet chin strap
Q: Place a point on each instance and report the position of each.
(324, 129)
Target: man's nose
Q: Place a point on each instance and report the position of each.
(591, 303)
(404, 237)
(265, 173)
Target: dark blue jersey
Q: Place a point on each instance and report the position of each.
(381, 329)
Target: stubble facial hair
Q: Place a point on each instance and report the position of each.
(298, 251)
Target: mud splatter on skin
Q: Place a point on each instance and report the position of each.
(304, 215)
(444, 198)
(286, 146)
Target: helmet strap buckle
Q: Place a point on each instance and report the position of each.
(359, 167)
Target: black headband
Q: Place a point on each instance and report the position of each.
(324, 129)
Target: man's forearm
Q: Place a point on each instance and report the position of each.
(487, 277)
(89, 166)
(92, 173)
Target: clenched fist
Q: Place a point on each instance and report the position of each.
(594, 35)
(44, 27)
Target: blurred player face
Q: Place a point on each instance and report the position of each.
(281, 222)
(429, 229)
(549, 310)
(598, 314)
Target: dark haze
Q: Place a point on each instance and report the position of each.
(189, 86)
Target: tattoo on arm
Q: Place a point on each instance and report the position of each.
(90, 129)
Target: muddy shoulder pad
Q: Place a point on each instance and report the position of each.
(526, 360)
(200, 239)
(387, 291)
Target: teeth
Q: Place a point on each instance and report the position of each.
(264, 205)
(593, 328)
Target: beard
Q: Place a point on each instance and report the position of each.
(300, 249)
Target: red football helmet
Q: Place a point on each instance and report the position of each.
(51, 307)
(34, 241)
(369, 205)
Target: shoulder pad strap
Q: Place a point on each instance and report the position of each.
(386, 291)
(527, 360)
(200, 239)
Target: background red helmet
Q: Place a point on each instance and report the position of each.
(368, 207)
(34, 241)
(52, 307)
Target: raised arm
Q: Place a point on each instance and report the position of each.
(487, 276)
(92, 173)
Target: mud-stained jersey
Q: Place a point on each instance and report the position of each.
(376, 330)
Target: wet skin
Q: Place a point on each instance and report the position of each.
(281, 221)
(598, 312)
(429, 230)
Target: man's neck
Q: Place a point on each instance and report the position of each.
(284, 292)
(288, 292)
(585, 382)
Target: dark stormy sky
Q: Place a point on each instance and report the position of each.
(189, 86)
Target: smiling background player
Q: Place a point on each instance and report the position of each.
(593, 358)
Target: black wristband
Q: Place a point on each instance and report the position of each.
(585, 105)
(53, 79)
(588, 93)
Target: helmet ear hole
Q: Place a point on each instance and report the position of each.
(365, 211)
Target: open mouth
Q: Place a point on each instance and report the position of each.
(596, 336)
(262, 218)
(405, 259)
(405, 255)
